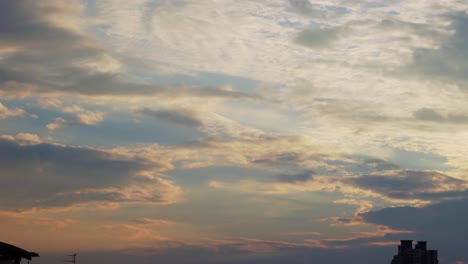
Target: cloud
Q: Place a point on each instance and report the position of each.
(428, 114)
(301, 5)
(442, 224)
(380, 236)
(86, 118)
(35, 24)
(219, 126)
(77, 81)
(51, 37)
(317, 10)
(362, 164)
(446, 62)
(182, 117)
(27, 138)
(111, 84)
(380, 165)
(150, 221)
(431, 115)
(410, 184)
(5, 112)
(296, 178)
(421, 29)
(144, 190)
(89, 118)
(419, 160)
(39, 44)
(48, 175)
(262, 151)
(318, 38)
(363, 190)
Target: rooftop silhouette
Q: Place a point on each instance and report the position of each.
(417, 255)
(13, 253)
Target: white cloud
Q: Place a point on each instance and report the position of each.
(86, 118)
(28, 138)
(90, 118)
(221, 36)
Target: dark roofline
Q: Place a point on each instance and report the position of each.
(11, 252)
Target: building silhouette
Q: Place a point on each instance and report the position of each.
(417, 255)
(14, 254)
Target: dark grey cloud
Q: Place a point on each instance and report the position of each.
(183, 117)
(284, 157)
(380, 165)
(457, 118)
(365, 164)
(297, 178)
(317, 38)
(36, 69)
(301, 5)
(429, 114)
(314, 37)
(442, 224)
(48, 175)
(448, 62)
(117, 194)
(447, 216)
(307, 8)
(26, 23)
(411, 184)
(113, 84)
(49, 57)
(424, 114)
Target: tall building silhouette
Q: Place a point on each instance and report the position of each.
(417, 255)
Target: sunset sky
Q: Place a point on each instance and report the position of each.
(233, 131)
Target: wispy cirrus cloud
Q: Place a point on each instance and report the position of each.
(80, 63)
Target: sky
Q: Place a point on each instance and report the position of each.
(233, 131)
